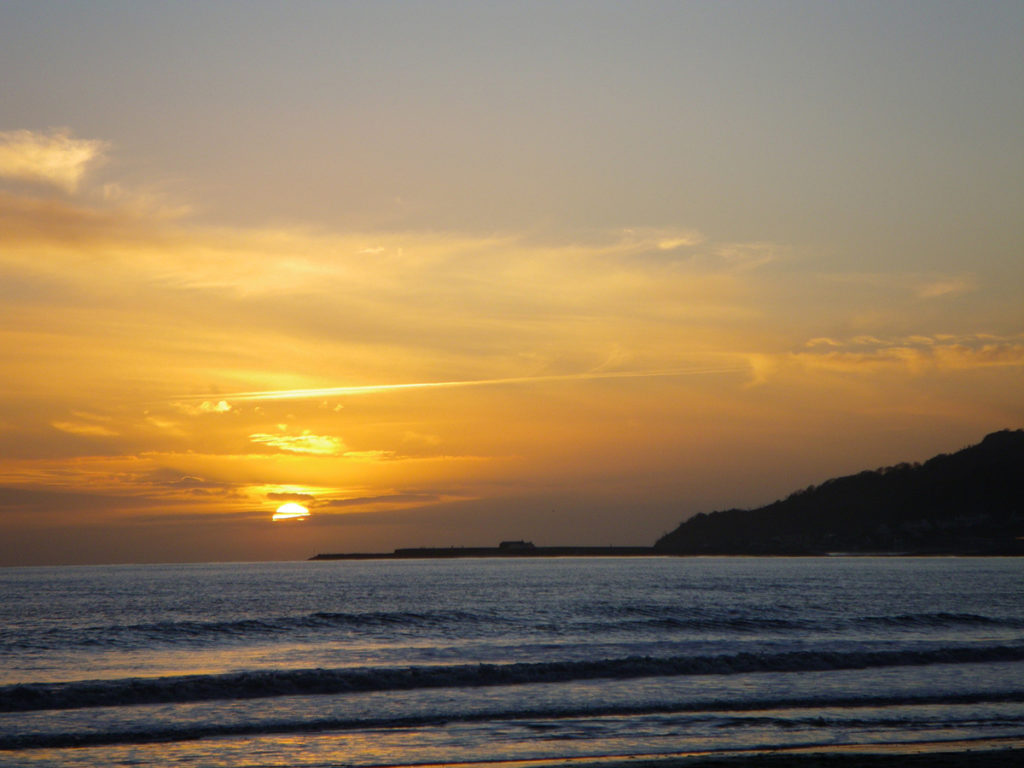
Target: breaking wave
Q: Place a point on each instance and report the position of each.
(724, 713)
(281, 682)
(938, 620)
(465, 623)
(169, 633)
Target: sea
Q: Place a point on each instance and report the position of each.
(501, 660)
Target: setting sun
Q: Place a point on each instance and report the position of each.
(469, 314)
(291, 511)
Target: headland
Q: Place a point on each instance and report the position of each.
(967, 503)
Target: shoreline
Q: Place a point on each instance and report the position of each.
(972, 753)
(454, 553)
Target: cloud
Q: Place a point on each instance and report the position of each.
(762, 367)
(166, 477)
(369, 455)
(822, 341)
(653, 238)
(322, 392)
(318, 445)
(917, 353)
(81, 428)
(393, 498)
(278, 496)
(54, 158)
(198, 487)
(747, 256)
(953, 286)
(219, 407)
(44, 504)
(203, 408)
(418, 440)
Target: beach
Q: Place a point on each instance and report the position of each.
(985, 754)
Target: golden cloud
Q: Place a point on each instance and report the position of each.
(318, 445)
(54, 158)
(953, 286)
(80, 428)
(917, 353)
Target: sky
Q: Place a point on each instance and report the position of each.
(451, 273)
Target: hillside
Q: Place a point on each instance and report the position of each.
(967, 502)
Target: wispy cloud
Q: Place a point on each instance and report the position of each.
(388, 499)
(953, 286)
(81, 428)
(865, 354)
(54, 158)
(291, 496)
(367, 389)
(318, 445)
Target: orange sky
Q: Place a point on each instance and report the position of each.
(434, 334)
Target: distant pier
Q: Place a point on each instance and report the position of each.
(505, 549)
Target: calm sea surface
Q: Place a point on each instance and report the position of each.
(404, 662)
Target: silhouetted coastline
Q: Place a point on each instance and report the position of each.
(967, 503)
(505, 549)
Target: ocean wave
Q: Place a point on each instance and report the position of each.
(288, 682)
(732, 624)
(938, 620)
(660, 619)
(724, 713)
(172, 633)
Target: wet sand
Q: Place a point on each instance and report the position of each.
(1003, 758)
(982, 753)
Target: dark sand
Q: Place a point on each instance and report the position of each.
(1004, 758)
(983, 753)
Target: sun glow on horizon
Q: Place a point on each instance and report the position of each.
(499, 298)
(291, 511)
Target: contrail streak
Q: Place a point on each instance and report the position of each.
(299, 394)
